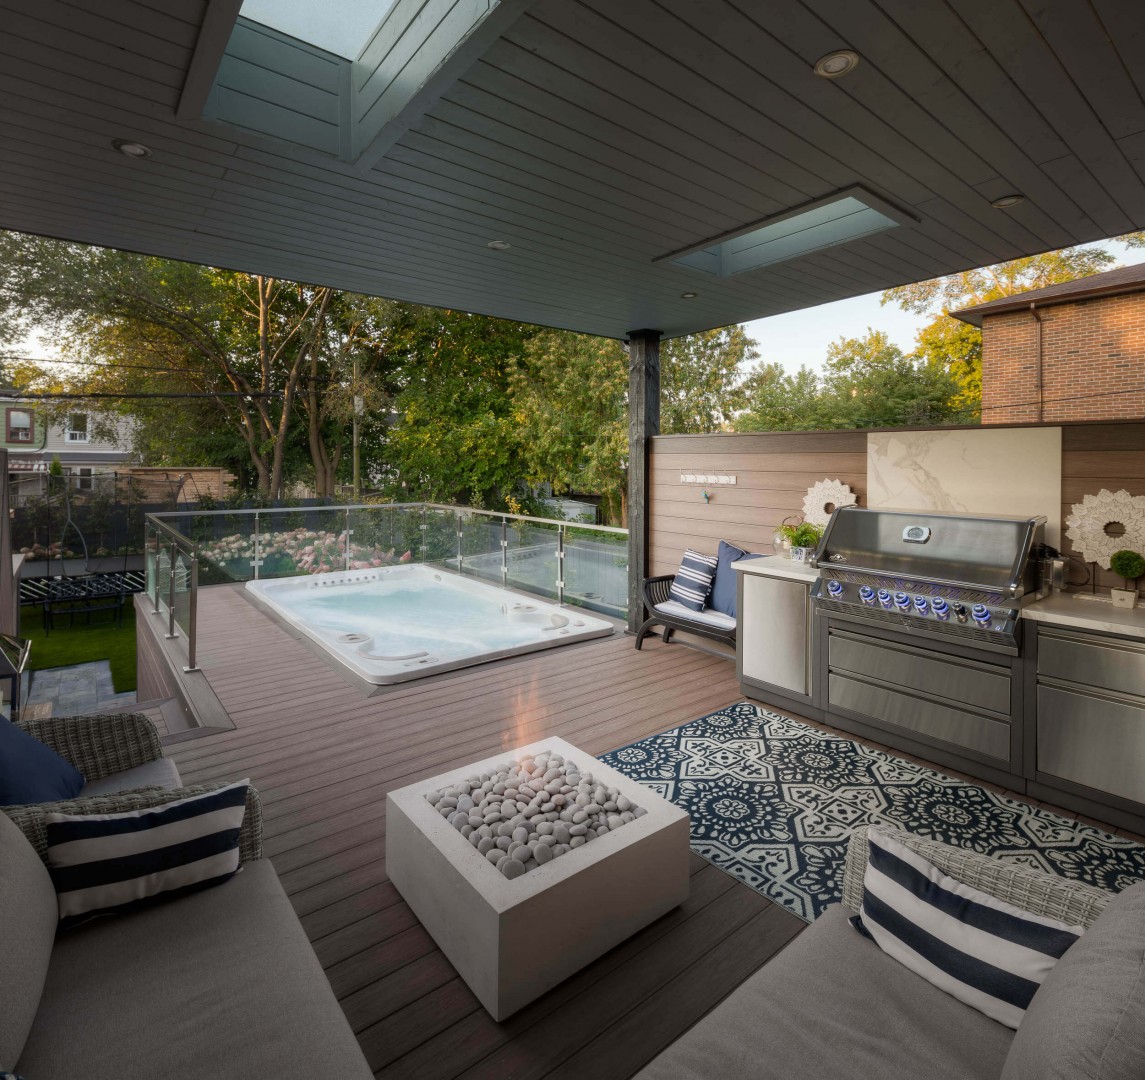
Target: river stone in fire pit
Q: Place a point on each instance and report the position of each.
(520, 799)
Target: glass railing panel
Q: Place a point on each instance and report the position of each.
(480, 545)
(532, 558)
(305, 540)
(150, 558)
(438, 537)
(227, 544)
(182, 594)
(596, 571)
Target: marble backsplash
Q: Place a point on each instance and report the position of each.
(1004, 471)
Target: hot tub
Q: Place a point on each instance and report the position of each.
(398, 623)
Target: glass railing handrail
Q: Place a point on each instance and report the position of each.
(251, 511)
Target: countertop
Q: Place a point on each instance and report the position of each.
(778, 567)
(1076, 609)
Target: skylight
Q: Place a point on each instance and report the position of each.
(342, 27)
(848, 215)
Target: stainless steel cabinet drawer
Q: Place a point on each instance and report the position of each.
(966, 682)
(1092, 740)
(1105, 663)
(919, 716)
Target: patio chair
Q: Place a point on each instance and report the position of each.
(113, 751)
(672, 615)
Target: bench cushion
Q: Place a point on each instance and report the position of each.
(28, 916)
(708, 617)
(833, 1005)
(219, 983)
(162, 772)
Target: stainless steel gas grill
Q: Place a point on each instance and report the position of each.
(919, 631)
(945, 577)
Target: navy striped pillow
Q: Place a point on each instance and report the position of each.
(114, 862)
(693, 581)
(981, 950)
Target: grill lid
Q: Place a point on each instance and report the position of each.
(951, 549)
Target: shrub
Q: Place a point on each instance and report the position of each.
(1128, 565)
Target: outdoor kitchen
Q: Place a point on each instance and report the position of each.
(932, 621)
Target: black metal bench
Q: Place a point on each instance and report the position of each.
(655, 591)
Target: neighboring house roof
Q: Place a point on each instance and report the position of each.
(1125, 279)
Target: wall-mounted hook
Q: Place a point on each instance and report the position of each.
(707, 496)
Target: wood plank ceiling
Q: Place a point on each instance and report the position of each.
(595, 136)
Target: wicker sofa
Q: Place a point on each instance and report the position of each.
(113, 751)
(832, 1004)
(221, 982)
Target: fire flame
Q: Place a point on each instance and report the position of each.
(528, 715)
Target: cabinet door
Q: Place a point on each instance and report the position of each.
(1094, 740)
(1115, 664)
(774, 638)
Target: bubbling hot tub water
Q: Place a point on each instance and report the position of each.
(526, 813)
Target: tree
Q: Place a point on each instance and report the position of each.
(867, 382)
(455, 437)
(701, 379)
(253, 346)
(571, 397)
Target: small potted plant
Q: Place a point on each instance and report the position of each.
(803, 538)
(1129, 566)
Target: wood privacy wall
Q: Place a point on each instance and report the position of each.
(1096, 456)
(774, 470)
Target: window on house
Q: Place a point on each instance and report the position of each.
(83, 478)
(19, 425)
(77, 427)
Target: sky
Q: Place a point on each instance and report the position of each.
(801, 337)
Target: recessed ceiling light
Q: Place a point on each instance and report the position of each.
(499, 245)
(836, 64)
(1006, 201)
(131, 149)
(688, 295)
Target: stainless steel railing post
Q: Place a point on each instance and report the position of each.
(171, 595)
(193, 616)
(561, 565)
(504, 552)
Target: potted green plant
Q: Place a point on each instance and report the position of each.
(803, 538)
(1129, 566)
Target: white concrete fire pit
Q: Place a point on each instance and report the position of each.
(512, 939)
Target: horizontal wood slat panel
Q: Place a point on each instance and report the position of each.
(1103, 463)
(804, 442)
(1105, 437)
(812, 461)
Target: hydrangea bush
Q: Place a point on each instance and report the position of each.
(296, 551)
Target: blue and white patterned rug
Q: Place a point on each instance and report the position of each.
(773, 800)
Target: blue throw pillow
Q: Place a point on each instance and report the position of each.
(723, 596)
(693, 581)
(31, 772)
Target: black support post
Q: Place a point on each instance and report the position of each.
(643, 423)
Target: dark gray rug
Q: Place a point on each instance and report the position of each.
(773, 800)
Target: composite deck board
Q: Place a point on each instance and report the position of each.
(323, 754)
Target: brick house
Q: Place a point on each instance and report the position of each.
(1066, 352)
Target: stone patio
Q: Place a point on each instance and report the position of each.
(78, 688)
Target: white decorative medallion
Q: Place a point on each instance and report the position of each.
(832, 493)
(1091, 520)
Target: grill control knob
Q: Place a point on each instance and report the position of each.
(921, 604)
(866, 594)
(835, 588)
(981, 614)
(884, 598)
(959, 611)
(902, 600)
(940, 608)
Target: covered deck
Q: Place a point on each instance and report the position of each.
(323, 755)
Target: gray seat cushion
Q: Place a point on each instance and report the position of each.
(1087, 1021)
(28, 916)
(220, 983)
(162, 772)
(832, 1005)
(708, 616)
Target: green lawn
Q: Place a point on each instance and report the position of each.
(79, 644)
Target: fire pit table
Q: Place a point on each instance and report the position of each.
(512, 938)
